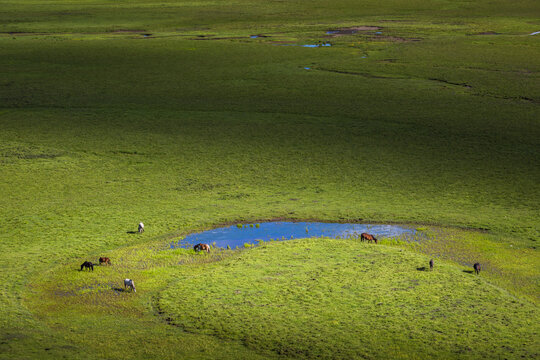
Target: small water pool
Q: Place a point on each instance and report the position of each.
(308, 45)
(238, 235)
(316, 45)
(342, 32)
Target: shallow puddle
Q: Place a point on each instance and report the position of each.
(341, 32)
(238, 235)
(309, 45)
(316, 45)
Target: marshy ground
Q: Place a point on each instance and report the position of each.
(418, 113)
(300, 298)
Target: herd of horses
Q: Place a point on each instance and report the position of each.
(128, 283)
(90, 266)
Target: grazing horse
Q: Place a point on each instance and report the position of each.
(202, 247)
(87, 265)
(141, 228)
(128, 283)
(368, 237)
(477, 267)
(431, 264)
(104, 260)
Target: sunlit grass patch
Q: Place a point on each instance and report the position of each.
(512, 267)
(306, 298)
(316, 279)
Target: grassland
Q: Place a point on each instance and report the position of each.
(325, 293)
(430, 122)
(299, 299)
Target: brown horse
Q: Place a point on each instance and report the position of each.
(104, 260)
(477, 267)
(368, 237)
(87, 265)
(431, 264)
(202, 247)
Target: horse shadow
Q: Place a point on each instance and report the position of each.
(119, 289)
(131, 232)
(468, 271)
(423, 268)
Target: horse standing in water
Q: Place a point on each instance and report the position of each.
(202, 247)
(477, 267)
(128, 283)
(88, 265)
(141, 228)
(368, 237)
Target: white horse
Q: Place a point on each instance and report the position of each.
(129, 283)
(141, 227)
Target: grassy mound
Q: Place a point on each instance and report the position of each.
(327, 298)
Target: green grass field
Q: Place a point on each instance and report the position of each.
(428, 114)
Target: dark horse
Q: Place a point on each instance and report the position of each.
(202, 247)
(104, 260)
(87, 265)
(368, 237)
(431, 264)
(477, 267)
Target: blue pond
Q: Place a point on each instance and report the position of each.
(236, 236)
